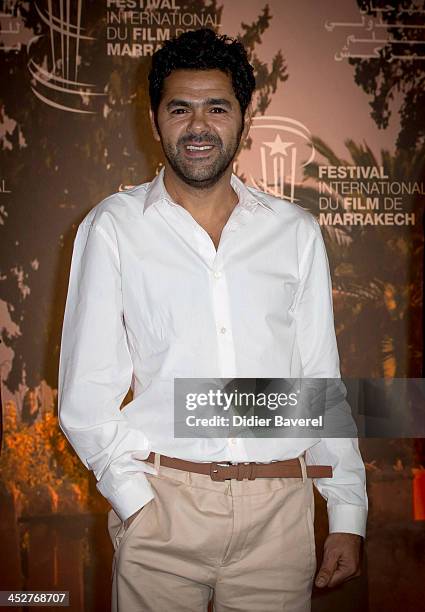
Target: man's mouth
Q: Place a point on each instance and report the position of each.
(198, 150)
(199, 147)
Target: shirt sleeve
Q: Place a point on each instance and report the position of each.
(95, 372)
(345, 492)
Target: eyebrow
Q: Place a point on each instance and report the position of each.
(208, 102)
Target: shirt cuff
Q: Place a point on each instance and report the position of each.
(347, 518)
(130, 496)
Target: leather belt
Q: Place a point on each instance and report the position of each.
(220, 471)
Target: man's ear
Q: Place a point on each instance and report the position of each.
(154, 128)
(246, 128)
(247, 122)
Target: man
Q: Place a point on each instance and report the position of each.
(196, 275)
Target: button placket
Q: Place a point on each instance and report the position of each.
(205, 245)
(237, 450)
(220, 297)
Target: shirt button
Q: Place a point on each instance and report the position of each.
(223, 330)
(217, 274)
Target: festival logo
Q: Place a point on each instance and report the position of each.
(56, 79)
(281, 146)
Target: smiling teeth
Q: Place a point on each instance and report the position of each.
(193, 148)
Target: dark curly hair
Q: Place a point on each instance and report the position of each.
(202, 49)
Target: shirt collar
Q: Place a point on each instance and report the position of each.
(156, 191)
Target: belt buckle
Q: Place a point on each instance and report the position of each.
(215, 472)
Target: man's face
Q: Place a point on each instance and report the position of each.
(199, 125)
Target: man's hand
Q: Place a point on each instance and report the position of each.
(341, 559)
(130, 519)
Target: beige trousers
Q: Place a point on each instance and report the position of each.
(249, 545)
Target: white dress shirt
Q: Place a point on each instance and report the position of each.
(151, 299)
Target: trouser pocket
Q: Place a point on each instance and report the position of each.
(117, 531)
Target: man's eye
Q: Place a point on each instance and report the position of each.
(219, 109)
(177, 111)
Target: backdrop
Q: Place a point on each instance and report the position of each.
(339, 128)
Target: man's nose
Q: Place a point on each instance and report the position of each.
(198, 120)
